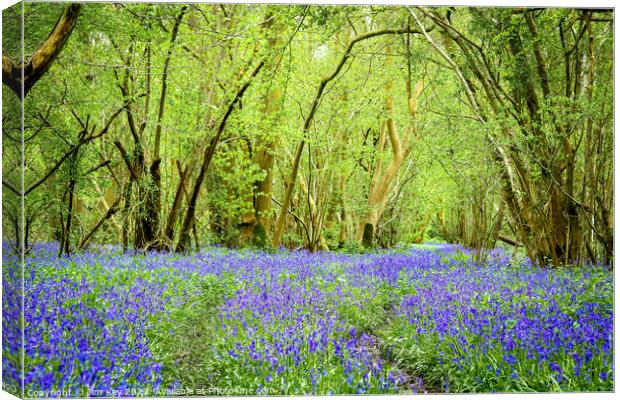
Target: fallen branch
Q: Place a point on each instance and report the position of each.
(508, 241)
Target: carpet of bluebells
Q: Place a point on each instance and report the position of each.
(231, 322)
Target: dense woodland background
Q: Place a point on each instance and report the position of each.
(174, 126)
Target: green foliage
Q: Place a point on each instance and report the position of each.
(352, 247)
(371, 315)
(451, 173)
(184, 341)
(260, 240)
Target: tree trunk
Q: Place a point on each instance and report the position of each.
(255, 226)
(153, 198)
(383, 179)
(168, 234)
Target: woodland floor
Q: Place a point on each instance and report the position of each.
(234, 322)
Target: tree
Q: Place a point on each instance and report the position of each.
(310, 116)
(384, 176)
(541, 116)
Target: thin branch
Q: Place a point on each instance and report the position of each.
(127, 160)
(102, 164)
(294, 215)
(12, 188)
(111, 211)
(71, 151)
